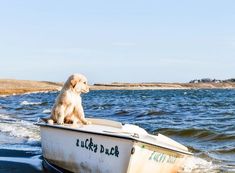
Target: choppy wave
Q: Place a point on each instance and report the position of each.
(202, 120)
(46, 111)
(122, 112)
(30, 103)
(153, 112)
(23, 130)
(203, 134)
(199, 165)
(226, 150)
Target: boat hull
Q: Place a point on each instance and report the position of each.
(84, 152)
(153, 159)
(91, 152)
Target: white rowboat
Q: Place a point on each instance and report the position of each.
(109, 147)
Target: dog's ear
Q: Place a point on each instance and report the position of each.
(73, 82)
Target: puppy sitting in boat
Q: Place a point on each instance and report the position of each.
(68, 105)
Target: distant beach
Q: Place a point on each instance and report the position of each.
(157, 86)
(12, 86)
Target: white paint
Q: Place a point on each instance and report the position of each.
(62, 145)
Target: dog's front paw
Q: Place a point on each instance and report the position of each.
(50, 121)
(60, 120)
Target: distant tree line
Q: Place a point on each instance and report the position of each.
(209, 80)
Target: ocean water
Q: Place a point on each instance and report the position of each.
(202, 120)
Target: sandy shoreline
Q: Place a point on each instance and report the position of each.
(163, 86)
(11, 86)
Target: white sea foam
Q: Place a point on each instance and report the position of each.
(199, 165)
(46, 111)
(36, 92)
(28, 93)
(5, 117)
(3, 96)
(22, 147)
(30, 103)
(21, 129)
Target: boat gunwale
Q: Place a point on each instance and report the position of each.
(134, 139)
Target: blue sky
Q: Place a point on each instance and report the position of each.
(124, 40)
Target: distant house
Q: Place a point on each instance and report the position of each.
(194, 81)
(205, 80)
(229, 80)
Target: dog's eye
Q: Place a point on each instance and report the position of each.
(84, 82)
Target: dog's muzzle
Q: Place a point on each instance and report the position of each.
(86, 91)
